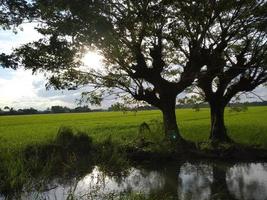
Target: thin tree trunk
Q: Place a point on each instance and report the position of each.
(218, 131)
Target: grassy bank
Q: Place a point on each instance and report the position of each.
(16, 132)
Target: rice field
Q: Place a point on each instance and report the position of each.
(16, 132)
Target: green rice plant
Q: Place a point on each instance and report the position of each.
(16, 132)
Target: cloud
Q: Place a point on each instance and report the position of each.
(23, 89)
(261, 91)
(9, 40)
(19, 88)
(258, 94)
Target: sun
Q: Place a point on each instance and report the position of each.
(93, 60)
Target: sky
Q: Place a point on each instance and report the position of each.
(21, 89)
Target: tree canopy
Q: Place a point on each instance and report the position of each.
(14, 12)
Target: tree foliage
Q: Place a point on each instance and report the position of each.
(12, 14)
(236, 57)
(134, 37)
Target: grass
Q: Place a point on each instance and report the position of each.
(16, 132)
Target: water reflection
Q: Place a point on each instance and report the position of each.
(195, 181)
(248, 181)
(142, 181)
(220, 181)
(183, 181)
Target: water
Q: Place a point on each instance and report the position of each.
(183, 181)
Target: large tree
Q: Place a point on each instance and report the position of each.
(147, 51)
(153, 49)
(236, 59)
(233, 42)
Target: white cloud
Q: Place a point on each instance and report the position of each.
(9, 40)
(23, 90)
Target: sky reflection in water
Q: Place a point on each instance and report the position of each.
(195, 181)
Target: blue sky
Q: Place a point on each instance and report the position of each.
(21, 89)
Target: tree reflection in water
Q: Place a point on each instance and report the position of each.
(223, 181)
(195, 180)
(183, 181)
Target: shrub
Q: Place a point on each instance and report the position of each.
(79, 143)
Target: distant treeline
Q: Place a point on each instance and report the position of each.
(54, 109)
(63, 109)
(206, 105)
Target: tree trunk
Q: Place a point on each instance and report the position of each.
(169, 120)
(218, 131)
(219, 188)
